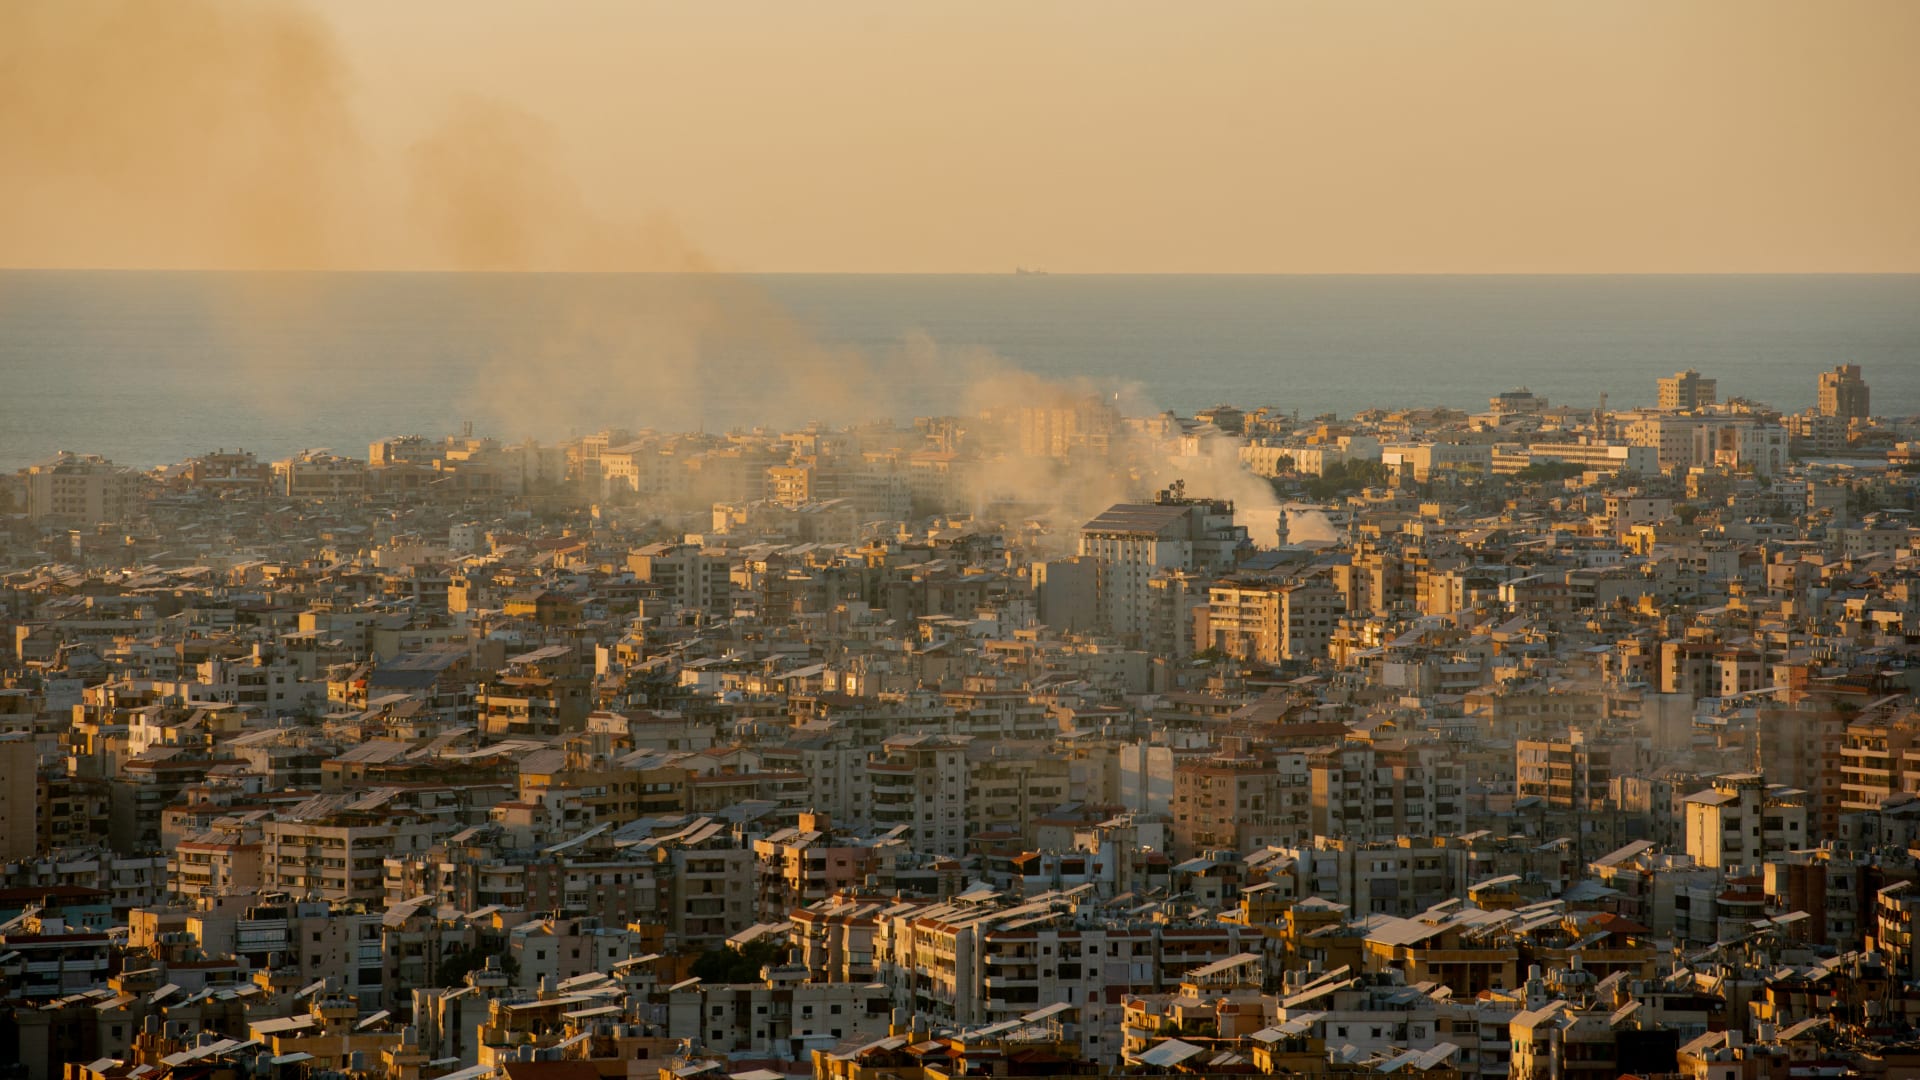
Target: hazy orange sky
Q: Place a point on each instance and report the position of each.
(1272, 136)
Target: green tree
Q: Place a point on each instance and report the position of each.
(729, 965)
(454, 966)
(1347, 477)
(1549, 471)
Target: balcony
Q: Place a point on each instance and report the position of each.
(1018, 977)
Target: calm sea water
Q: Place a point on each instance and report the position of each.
(152, 368)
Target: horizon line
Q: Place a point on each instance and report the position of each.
(1017, 272)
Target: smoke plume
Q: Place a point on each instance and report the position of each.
(218, 134)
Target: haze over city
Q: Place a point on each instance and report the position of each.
(1494, 136)
(861, 541)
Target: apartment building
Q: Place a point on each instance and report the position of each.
(1880, 759)
(1427, 460)
(1273, 622)
(1686, 391)
(1135, 542)
(309, 939)
(781, 1016)
(687, 576)
(316, 474)
(1575, 772)
(1008, 791)
(19, 796)
(707, 889)
(1240, 803)
(1741, 821)
(921, 781)
(80, 489)
(804, 865)
(226, 860)
(1366, 791)
(334, 848)
(1844, 394)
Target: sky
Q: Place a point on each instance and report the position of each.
(1282, 136)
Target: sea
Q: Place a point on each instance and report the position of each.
(150, 368)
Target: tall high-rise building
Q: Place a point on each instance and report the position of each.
(1134, 542)
(1843, 393)
(1686, 391)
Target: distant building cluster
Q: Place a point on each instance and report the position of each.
(1533, 744)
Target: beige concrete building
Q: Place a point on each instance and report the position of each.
(1686, 391)
(80, 489)
(1424, 459)
(19, 797)
(339, 856)
(225, 860)
(689, 577)
(1273, 621)
(1844, 394)
(1572, 773)
(921, 781)
(1006, 792)
(1239, 804)
(806, 864)
(1366, 791)
(1741, 820)
(316, 474)
(1135, 543)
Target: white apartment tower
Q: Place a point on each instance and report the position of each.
(1132, 543)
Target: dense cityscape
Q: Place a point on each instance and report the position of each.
(1544, 741)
